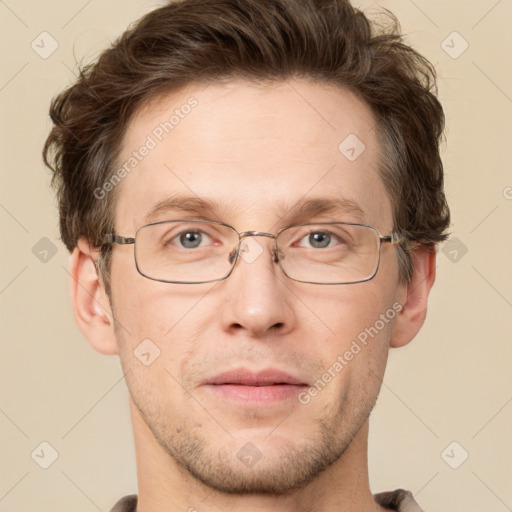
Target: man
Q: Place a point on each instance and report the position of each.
(252, 193)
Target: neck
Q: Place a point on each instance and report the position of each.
(163, 486)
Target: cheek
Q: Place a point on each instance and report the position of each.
(161, 319)
(352, 309)
(146, 308)
(360, 319)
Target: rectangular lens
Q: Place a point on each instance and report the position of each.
(187, 251)
(329, 253)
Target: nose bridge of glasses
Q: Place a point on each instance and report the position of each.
(255, 233)
(247, 234)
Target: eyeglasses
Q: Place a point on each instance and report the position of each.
(199, 251)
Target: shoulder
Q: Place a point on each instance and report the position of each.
(399, 500)
(126, 504)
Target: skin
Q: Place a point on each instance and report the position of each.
(250, 148)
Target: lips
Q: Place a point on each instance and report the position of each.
(255, 389)
(244, 377)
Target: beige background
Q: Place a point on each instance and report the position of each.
(453, 383)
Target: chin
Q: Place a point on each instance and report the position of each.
(258, 467)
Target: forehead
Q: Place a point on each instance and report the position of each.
(252, 152)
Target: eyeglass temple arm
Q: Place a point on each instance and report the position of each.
(393, 238)
(117, 239)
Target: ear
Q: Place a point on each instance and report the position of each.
(91, 305)
(415, 296)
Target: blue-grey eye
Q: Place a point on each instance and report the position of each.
(191, 239)
(319, 240)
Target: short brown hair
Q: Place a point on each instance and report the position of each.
(203, 41)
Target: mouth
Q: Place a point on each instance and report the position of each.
(255, 388)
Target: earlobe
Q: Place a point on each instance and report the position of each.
(91, 305)
(415, 297)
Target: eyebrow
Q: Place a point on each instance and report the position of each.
(304, 209)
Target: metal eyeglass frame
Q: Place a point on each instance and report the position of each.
(393, 238)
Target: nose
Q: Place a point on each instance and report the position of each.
(258, 300)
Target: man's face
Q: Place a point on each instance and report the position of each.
(256, 152)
